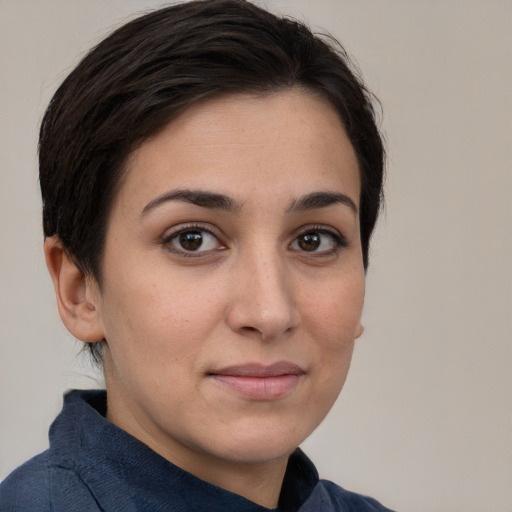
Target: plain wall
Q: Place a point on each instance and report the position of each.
(424, 423)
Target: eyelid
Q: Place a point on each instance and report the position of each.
(320, 228)
(339, 239)
(185, 226)
(169, 236)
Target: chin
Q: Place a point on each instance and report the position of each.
(258, 453)
(267, 444)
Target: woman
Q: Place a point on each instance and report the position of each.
(211, 175)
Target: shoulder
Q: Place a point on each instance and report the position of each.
(43, 486)
(27, 488)
(339, 499)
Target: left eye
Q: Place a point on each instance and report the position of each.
(316, 241)
(193, 240)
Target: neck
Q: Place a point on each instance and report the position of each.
(260, 483)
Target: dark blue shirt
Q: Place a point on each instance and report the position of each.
(92, 466)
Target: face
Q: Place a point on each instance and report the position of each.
(233, 280)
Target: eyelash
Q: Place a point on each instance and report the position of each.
(168, 239)
(339, 241)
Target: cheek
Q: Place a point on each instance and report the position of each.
(333, 320)
(156, 319)
(334, 309)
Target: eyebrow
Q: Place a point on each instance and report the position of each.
(197, 197)
(206, 199)
(317, 200)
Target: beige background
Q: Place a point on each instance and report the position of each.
(425, 420)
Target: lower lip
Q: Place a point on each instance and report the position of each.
(260, 388)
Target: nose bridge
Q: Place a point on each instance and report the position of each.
(264, 300)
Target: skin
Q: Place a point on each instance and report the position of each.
(256, 291)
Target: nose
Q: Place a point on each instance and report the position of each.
(263, 301)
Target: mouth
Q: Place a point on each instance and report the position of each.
(260, 382)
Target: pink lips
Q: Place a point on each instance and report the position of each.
(260, 382)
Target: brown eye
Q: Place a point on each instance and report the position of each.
(309, 241)
(191, 240)
(319, 242)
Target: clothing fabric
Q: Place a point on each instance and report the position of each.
(94, 466)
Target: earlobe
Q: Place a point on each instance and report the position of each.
(77, 294)
(359, 331)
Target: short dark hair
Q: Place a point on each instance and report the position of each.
(150, 70)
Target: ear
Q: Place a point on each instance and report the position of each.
(359, 331)
(77, 294)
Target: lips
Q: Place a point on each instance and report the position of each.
(260, 382)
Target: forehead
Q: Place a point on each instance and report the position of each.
(283, 143)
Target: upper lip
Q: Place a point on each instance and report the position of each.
(260, 370)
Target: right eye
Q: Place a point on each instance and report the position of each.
(191, 241)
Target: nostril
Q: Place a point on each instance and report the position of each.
(251, 329)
